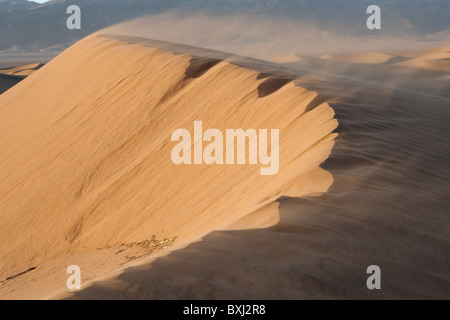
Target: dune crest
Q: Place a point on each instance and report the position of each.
(89, 166)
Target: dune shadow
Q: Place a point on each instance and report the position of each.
(387, 207)
(8, 81)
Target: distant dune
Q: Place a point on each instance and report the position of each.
(435, 59)
(365, 57)
(9, 77)
(87, 177)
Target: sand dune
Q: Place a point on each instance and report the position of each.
(364, 57)
(22, 70)
(9, 77)
(8, 81)
(88, 166)
(435, 59)
(87, 179)
(387, 206)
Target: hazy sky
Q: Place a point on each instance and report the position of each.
(39, 1)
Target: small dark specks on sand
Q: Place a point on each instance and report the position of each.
(20, 274)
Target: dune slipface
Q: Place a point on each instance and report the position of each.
(86, 151)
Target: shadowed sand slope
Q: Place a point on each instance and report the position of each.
(11, 76)
(86, 153)
(8, 81)
(437, 59)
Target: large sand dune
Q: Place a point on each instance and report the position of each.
(388, 205)
(86, 165)
(87, 179)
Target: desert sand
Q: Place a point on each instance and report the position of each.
(87, 179)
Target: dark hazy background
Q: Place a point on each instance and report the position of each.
(28, 26)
